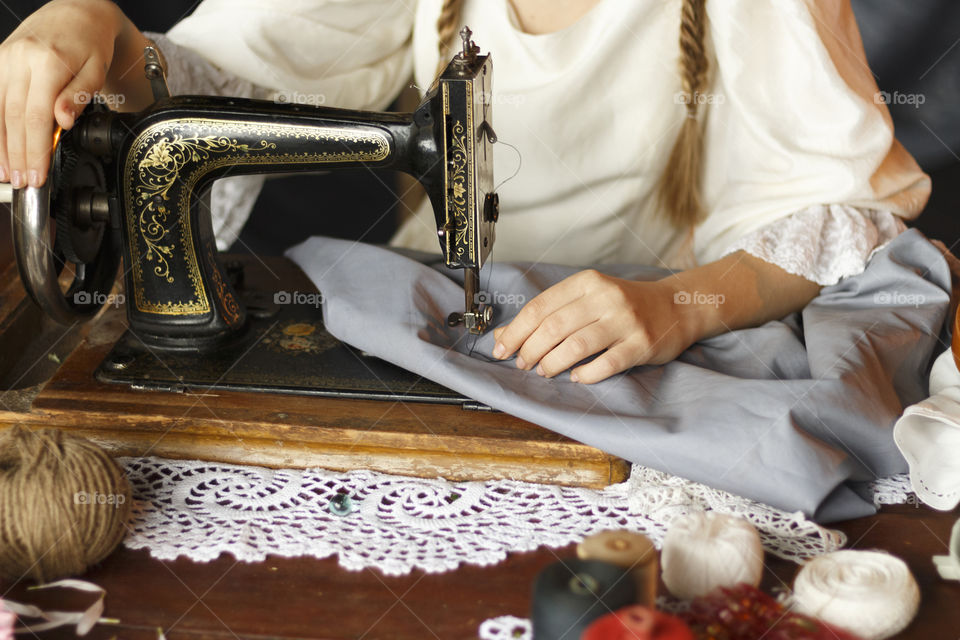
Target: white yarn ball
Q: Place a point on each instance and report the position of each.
(870, 593)
(703, 551)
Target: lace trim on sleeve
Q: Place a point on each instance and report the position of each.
(823, 243)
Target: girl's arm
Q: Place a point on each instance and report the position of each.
(635, 323)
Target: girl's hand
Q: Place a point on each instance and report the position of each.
(646, 322)
(52, 64)
(631, 322)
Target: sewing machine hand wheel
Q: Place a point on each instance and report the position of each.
(74, 194)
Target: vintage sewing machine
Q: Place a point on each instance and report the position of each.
(137, 182)
(137, 185)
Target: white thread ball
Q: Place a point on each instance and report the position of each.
(705, 550)
(870, 593)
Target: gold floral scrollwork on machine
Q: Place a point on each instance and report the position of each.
(158, 171)
(457, 177)
(168, 159)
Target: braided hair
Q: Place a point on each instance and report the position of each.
(679, 189)
(447, 25)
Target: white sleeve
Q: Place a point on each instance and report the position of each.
(795, 126)
(189, 73)
(341, 53)
(823, 243)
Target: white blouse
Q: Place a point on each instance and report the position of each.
(801, 166)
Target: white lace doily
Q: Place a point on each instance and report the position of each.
(892, 490)
(506, 628)
(203, 509)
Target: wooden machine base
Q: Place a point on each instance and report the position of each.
(276, 430)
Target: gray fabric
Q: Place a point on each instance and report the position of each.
(786, 413)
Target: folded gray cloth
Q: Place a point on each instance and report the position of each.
(789, 413)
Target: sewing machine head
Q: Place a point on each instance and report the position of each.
(136, 184)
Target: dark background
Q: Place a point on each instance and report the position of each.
(913, 48)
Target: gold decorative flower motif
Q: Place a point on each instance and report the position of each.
(157, 156)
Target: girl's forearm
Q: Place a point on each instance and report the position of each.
(736, 292)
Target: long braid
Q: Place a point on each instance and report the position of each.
(447, 25)
(679, 191)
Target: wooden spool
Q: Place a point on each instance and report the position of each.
(631, 551)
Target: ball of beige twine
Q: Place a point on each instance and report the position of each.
(64, 504)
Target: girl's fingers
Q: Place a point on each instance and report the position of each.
(45, 84)
(553, 330)
(534, 312)
(581, 344)
(41, 72)
(614, 360)
(14, 122)
(515, 334)
(79, 92)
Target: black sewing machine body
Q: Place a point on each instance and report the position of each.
(137, 185)
(179, 293)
